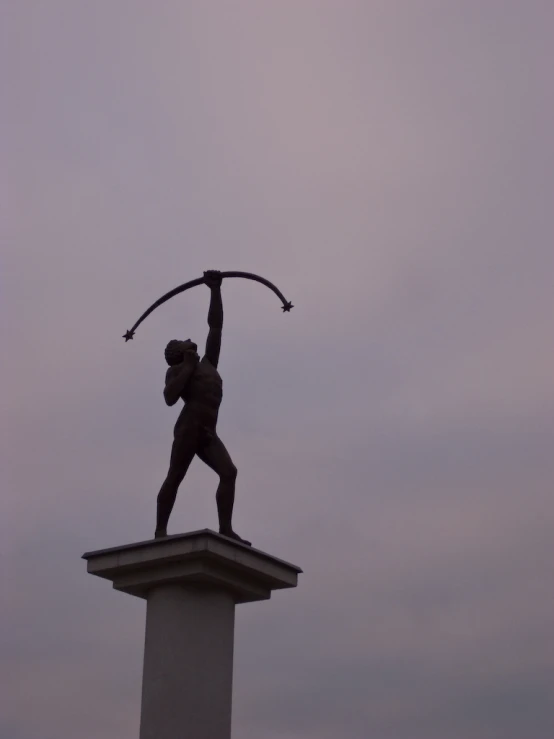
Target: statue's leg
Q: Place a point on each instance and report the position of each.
(215, 455)
(182, 454)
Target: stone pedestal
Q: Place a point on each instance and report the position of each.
(191, 583)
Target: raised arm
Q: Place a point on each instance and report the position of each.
(212, 279)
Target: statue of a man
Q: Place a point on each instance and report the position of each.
(198, 383)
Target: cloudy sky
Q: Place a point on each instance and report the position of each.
(389, 165)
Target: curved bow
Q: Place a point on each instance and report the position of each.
(287, 305)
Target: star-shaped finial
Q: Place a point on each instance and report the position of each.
(287, 307)
(128, 335)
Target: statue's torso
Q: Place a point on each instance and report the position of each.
(202, 395)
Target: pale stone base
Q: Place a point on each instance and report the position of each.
(191, 583)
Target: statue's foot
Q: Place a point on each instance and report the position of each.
(230, 534)
(160, 533)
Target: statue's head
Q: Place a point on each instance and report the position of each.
(176, 351)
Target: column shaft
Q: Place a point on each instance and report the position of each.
(188, 663)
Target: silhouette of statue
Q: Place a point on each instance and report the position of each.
(198, 383)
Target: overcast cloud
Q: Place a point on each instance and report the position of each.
(389, 165)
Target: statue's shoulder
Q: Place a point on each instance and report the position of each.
(207, 367)
(204, 364)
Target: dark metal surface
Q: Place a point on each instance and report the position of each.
(287, 305)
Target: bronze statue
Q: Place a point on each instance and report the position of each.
(198, 383)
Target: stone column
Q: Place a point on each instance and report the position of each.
(191, 583)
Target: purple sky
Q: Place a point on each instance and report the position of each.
(390, 166)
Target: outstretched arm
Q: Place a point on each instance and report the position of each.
(213, 279)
